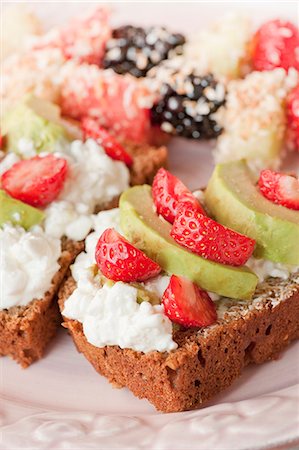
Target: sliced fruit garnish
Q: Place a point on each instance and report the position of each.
(92, 129)
(209, 239)
(276, 44)
(141, 225)
(36, 181)
(280, 188)
(185, 303)
(293, 118)
(18, 213)
(36, 120)
(119, 260)
(168, 192)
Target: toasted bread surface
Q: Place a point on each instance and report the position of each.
(207, 360)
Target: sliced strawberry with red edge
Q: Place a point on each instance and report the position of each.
(185, 303)
(119, 260)
(36, 181)
(168, 192)
(276, 44)
(92, 129)
(210, 239)
(280, 188)
(293, 118)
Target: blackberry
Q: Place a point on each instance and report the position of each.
(187, 102)
(136, 50)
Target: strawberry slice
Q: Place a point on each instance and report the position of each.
(293, 119)
(120, 103)
(276, 44)
(83, 38)
(168, 192)
(36, 181)
(209, 239)
(119, 260)
(280, 188)
(185, 303)
(91, 129)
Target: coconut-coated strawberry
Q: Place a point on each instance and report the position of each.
(36, 181)
(209, 239)
(276, 44)
(168, 192)
(82, 39)
(185, 303)
(121, 103)
(280, 188)
(293, 118)
(92, 129)
(119, 260)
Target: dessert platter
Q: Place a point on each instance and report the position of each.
(149, 228)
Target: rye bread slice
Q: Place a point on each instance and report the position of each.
(26, 330)
(207, 360)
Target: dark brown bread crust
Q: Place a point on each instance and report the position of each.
(147, 160)
(206, 361)
(25, 331)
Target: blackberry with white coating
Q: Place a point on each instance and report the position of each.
(187, 106)
(136, 50)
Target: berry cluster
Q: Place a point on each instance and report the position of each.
(136, 50)
(187, 106)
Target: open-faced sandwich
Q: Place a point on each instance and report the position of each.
(51, 186)
(176, 292)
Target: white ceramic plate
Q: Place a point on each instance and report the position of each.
(62, 403)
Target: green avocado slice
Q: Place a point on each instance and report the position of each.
(18, 213)
(150, 233)
(36, 120)
(234, 200)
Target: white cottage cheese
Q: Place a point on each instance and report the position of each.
(93, 179)
(111, 315)
(29, 260)
(264, 269)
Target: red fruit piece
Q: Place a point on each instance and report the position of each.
(276, 44)
(168, 192)
(293, 118)
(280, 188)
(83, 39)
(185, 303)
(209, 239)
(92, 129)
(36, 181)
(117, 101)
(119, 260)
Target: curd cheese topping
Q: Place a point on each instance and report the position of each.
(111, 315)
(29, 260)
(264, 269)
(93, 179)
